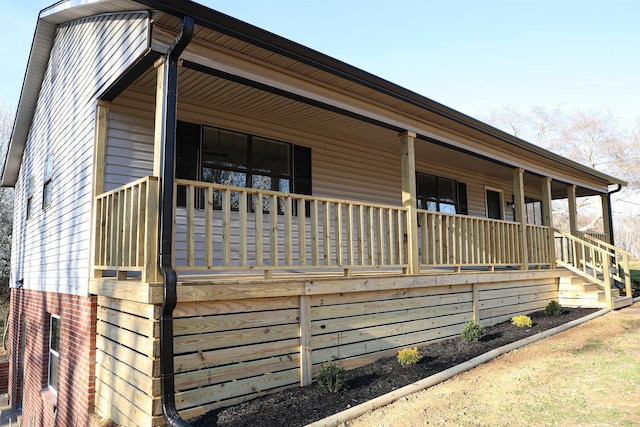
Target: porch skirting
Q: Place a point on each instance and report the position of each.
(236, 341)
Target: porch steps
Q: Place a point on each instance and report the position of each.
(576, 291)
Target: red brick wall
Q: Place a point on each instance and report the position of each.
(76, 386)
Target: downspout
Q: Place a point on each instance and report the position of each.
(612, 242)
(170, 279)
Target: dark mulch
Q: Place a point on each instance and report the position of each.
(303, 405)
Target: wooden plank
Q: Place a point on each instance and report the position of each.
(151, 272)
(190, 202)
(208, 226)
(384, 295)
(140, 325)
(326, 231)
(387, 332)
(273, 231)
(208, 359)
(302, 232)
(242, 228)
(131, 291)
(204, 395)
(120, 403)
(370, 237)
(518, 299)
(315, 233)
(142, 344)
(238, 306)
(358, 322)
(337, 211)
(288, 231)
(215, 340)
(228, 322)
(374, 307)
(350, 231)
(396, 342)
(139, 361)
(360, 226)
(106, 409)
(235, 371)
(187, 292)
(226, 227)
(146, 403)
(145, 383)
(306, 376)
(259, 241)
(144, 310)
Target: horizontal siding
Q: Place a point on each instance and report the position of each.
(50, 250)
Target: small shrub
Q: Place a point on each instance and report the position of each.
(472, 331)
(553, 308)
(331, 378)
(408, 357)
(521, 321)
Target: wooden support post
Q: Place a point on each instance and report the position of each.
(518, 195)
(476, 302)
(606, 273)
(157, 134)
(408, 170)
(573, 209)
(306, 373)
(627, 274)
(547, 218)
(606, 216)
(99, 157)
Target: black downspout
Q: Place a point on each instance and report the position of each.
(612, 242)
(167, 161)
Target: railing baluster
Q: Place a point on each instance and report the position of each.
(338, 232)
(349, 231)
(360, 225)
(302, 232)
(208, 227)
(391, 248)
(226, 227)
(258, 240)
(190, 201)
(370, 236)
(273, 231)
(380, 235)
(242, 228)
(314, 233)
(326, 231)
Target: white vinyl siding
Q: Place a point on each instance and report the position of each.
(51, 249)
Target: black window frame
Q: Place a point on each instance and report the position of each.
(53, 365)
(191, 166)
(424, 197)
(47, 182)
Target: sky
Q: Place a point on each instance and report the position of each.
(473, 56)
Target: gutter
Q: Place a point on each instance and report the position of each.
(170, 278)
(613, 243)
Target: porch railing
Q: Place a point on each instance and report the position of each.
(594, 259)
(450, 240)
(236, 228)
(539, 250)
(126, 227)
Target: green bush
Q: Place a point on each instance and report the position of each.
(408, 357)
(521, 321)
(472, 331)
(331, 378)
(553, 308)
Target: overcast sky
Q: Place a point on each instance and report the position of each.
(469, 55)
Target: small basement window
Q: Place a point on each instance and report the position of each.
(30, 191)
(54, 353)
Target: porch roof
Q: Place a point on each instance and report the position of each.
(293, 59)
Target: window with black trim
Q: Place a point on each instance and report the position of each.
(54, 352)
(211, 154)
(494, 200)
(435, 193)
(533, 211)
(30, 190)
(46, 184)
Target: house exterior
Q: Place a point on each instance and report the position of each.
(205, 212)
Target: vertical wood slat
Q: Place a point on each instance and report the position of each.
(226, 227)
(126, 228)
(302, 232)
(360, 225)
(242, 229)
(190, 207)
(350, 231)
(326, 231)
(259, 241)
(273, 230)
(339, 234)
(208, 226)
(151, 271)
(315, 259)
(380, 235)
(288, 231)
(391, 248)
(134, 231)
(370, 236)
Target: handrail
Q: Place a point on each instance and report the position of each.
(284, 231)
(594, 259)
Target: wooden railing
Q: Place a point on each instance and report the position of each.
(236, 228)
(459, 240)
(596, 260)
(126, 230)
(603, 237)
(539, 249)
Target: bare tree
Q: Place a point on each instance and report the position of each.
(6, 202)
(595, 138)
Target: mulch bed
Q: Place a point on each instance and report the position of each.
(303, 405)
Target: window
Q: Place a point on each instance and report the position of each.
(30, 191)
(494, 202)
(54, 352)
(46, 185)
(533, 211)
(211, 154)
(439, 194)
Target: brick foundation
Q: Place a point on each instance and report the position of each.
(74, 402)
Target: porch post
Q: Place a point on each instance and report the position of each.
(408, 170)
(547, 217)
(99, 157)
(518, 196)
(573, 209)
(157, 134)
(606, 216)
